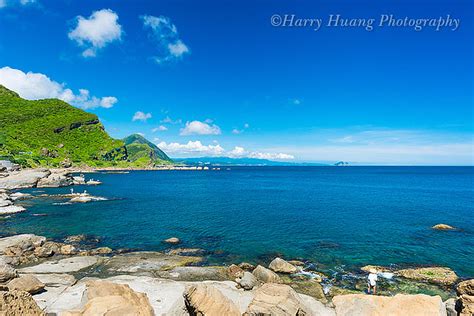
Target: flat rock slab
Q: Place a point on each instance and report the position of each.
(139, 262)
(194, 274)
(66, 265)
(23, 179)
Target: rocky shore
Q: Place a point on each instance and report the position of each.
(80, 276)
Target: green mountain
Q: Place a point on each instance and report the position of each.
(51, 132)
(144, 152)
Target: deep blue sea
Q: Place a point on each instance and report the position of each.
(332, 216)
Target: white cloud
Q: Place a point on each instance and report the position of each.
(296, 101)
(165, 34)
(141, 116)
(196, 148)
(200, 128)
(236, 131)
(192, 147)
(168, 120)
(160, 128)
(96, 32)
(34, 86)
(5, 3)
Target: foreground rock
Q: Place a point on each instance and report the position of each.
(465, 290)
(20, 243)
(18, 303)
(204, 299)
(7, 272)
(282, 266)
(265, 275)
(27, 283)
(443, 227)
(106, 298)
(400, 304)
(436, 275)
(248, 281)
(280, 300)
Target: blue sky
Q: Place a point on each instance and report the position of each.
(206, 78)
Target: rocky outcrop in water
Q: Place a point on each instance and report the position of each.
(436, 275)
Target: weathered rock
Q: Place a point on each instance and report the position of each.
(55, 180)
(436, 275)
(147, 261)
(309, 287)
(75, 238)
(101, 251)
(194, 273)
(451, 307)
(11, 209)
(68, 250)
(67, 265)
(248, 281)
(465, 287)
(48, 249)
(265, 275)
(20, 196)
(282, 266)
(276, 300)
(107, 298)
(246, 266)
(466, 307)
(297, 263)
(443, 227)
(17, 303)
(79, 180)
(186, 252)
(18, 244)
(172, 240)
(27, 178)
(204, 299)
(27, 283)
(400, 304)
(234, 271)
(55, 285)
(7, 272)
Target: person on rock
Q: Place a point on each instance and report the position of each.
(372, 281)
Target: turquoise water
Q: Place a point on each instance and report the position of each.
(333, 216)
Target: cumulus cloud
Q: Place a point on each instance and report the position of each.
(192, 147)
(200, 128)
(196, 148)
(96, 32)
(141, 116)
(165, 34)
(34, 86)
(160, 128)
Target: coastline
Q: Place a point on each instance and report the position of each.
(180, 265)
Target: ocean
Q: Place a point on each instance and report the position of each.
(334, 217)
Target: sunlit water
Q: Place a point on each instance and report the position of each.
(335, 217)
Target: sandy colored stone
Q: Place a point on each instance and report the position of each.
(265, 275)
(436, 275)
(27, 283)
(443, 227)
(68, 250)
(465, 287)
(248, 281)
(172, 240)
(66, 265)
(276, 300)
(246, 266)
(18, 303)
(282, 266)
(398, 305)
(204, 299)
(234, 271)
(7, 272)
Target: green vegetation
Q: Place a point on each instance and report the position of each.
(143, 152)
(53, 133)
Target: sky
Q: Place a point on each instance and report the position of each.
(251, 79)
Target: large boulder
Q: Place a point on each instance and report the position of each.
(7, 272)
(27, 283)
(465, 290)
(265, 275)
(436, 275)
(107, 298)
(276, 300)
(398, 305)
(18, 303)
(248, 281)
(282, 266)
(235, 271)
(18, 244)
(205, 299)
(55, 180)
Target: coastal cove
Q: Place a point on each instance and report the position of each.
(338, 219)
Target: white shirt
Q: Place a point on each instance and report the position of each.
(373, 279)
